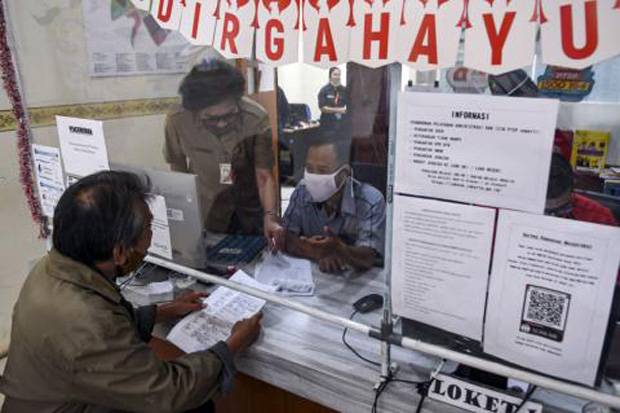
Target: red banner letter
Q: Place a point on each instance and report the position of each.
(380, 36)
(427, 30)
(196, 24)
(566, 24)
(497, 40)
(324, 41)
(275, 52)
(230, 32)
(165, 17)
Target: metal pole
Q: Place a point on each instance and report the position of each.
(503, 370)
(394, 85)
(493, 367)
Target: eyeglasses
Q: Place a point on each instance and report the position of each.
(225, 118)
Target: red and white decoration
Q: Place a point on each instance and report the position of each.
(198, 22)
(374, 29)
(579, 33)
(277, 34)
(431, 32)
(326, 31)
(500, 35)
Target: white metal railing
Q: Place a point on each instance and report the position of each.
(417, 345)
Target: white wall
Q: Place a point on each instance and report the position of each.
(301, 83)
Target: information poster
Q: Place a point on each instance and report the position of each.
(485, 150)
(82, 145)
(49, 177)
(440, 263)
(160, 243)
(122, 40)
(550, 293)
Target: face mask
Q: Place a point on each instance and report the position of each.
(133, 262)
(322, 187)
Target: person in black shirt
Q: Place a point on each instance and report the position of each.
(333, 101)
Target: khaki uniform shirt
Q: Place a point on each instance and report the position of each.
(191, 147)
(75, 348)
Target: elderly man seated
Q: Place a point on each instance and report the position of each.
(332, 218)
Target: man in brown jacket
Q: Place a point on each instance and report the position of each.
(77, 345)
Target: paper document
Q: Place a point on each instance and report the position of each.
(485, 150)
(440, 263)
(49, 177)
(291, 276)
(550, 294)
(160, 243)
(201, 330)
(82, 145)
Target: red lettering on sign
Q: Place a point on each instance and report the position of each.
(197, 11)
(498, 40)
(274, 46)
(566, 25)
(324, 41)
(230, 32)
(165, 16)
(381, 36)
(426, 41)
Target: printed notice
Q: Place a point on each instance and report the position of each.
(550, 293)
(440, 263)
(82, 146)
(124, 41)
(49, 177)
(203, 329)
(486, 150)
(160, 243)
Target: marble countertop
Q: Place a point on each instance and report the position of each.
(306, 356)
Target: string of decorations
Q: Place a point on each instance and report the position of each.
(23, 131)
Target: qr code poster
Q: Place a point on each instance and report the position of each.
(550, 294)
(545, 312)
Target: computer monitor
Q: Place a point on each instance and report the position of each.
(184, 212)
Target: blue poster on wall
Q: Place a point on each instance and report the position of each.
(566, 84)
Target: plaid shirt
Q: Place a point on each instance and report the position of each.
(360, 221)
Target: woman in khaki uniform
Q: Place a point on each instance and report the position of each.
(225, 139)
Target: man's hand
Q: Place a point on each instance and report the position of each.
(275, 233)
(327, 245)
(244, 333)
(332, 264)
(181, 306)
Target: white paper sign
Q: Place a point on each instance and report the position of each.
(485, 150)
(160, 243)
(132, 43)
(82, 145)
(475, 398)
(550, 293)
(440, 263)
(203, 329)
(49, 177)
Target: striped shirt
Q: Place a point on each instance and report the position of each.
(360, 221)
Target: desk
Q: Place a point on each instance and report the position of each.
(305, 357)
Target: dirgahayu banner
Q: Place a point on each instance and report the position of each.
(499, 35)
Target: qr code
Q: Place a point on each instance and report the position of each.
(545, 312)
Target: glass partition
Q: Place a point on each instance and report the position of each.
(250, 158)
